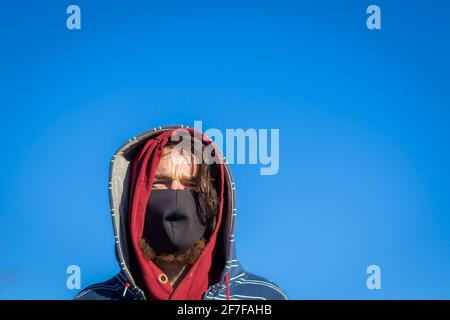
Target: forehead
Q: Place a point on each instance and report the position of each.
(176, 164)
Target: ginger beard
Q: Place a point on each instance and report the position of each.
(187, 258)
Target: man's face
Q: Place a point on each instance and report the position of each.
(176, 170)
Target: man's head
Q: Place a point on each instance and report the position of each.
(181, 169)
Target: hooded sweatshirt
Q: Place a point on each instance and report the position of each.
(215, 275)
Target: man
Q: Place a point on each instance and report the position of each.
(173, 210)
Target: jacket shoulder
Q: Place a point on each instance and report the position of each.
(251, 286)
(111, 289)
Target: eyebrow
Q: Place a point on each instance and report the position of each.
(161, 178)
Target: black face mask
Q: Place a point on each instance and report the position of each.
(173, 220)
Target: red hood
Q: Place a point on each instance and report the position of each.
(206, 270)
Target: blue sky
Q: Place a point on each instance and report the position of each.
(363, 119)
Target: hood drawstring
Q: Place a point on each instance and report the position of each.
(127, 285)
(227, 284)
